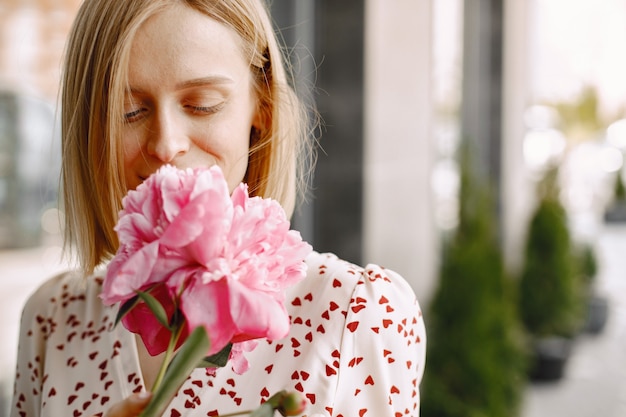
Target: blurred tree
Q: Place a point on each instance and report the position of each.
(550, 294)
(581, 119)
(619, 191)
(475, 365)
(616, 208)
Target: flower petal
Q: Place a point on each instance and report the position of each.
(257, 314)
(207, 304)
(184, 228)
(125, 275)
(142, 321)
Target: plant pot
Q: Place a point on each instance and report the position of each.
(550, 356)
(597, 315)
(616, 212)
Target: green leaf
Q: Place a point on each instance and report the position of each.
(217, 360)
(125, 308)
(155, 306)
(184, 362)
(265, 410)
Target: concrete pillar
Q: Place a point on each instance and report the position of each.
(399, 227)
(481, 107)
(517, 189)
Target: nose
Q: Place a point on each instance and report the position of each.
(167, 137)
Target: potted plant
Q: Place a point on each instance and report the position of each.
(476, 365)
(550, 300)
(616, 211)
(597, 304)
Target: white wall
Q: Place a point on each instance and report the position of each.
(399, 227)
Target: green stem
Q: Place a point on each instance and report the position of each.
(167, 358)
(238, 413)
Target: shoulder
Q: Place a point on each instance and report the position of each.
(68, 290)
(371, 294)
(373, 278)
(375, 317)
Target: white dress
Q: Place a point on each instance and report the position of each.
(356, 348)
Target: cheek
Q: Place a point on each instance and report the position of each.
(236, 173)
(131, 144)
(233, 155)
(131, 151)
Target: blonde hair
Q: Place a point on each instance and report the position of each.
(93, 86)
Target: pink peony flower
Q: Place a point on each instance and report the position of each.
(224, 262)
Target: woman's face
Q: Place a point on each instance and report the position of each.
(190, 101)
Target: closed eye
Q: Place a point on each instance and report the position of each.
(203, 110)
(133, 116)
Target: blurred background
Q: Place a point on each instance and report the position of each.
(474, 146)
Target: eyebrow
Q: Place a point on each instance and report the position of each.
(203, 81)
(196, 82)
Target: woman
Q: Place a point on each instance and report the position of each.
(197, 83)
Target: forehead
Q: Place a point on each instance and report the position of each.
(169, 19)
(179, 38)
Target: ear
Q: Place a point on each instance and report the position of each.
(262, 119)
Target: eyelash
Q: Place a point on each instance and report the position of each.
(204, 110)
(133, 116)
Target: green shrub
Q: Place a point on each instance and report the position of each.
(589, 262)
(587, 265)
(550, 287)
(475, 366)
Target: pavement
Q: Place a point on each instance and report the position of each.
(594, 384)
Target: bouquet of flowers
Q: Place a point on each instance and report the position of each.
(200, 274)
